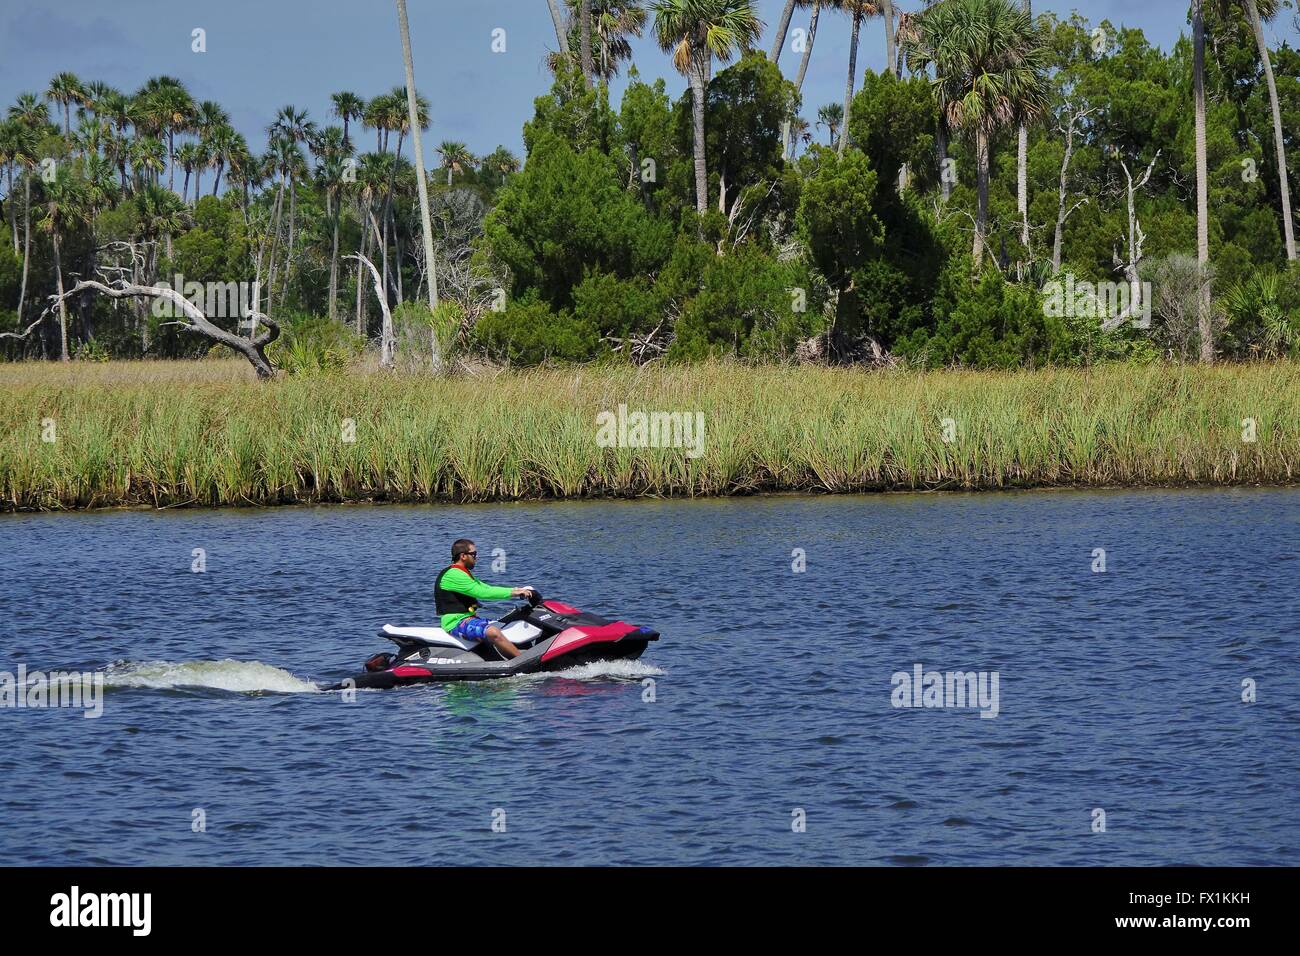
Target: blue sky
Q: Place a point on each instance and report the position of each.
(264, 54)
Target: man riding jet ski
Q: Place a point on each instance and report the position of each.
(540, 635)
(456, 594)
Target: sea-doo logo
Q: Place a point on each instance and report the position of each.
(103, 909)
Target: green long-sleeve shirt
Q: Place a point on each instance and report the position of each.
(463, 583)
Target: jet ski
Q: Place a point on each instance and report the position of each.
(551, 634)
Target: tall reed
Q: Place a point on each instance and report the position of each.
(205, 433)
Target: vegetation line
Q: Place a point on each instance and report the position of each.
(129, 434)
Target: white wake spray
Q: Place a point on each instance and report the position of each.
(238, 677)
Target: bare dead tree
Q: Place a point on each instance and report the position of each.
(1073, 117)
(27, 331)
(648, 347)
(387, 340)
(195, 321)
(1136, 237)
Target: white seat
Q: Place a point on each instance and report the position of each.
(433, 636)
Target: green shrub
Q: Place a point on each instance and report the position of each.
(312, 343)
(528, 332)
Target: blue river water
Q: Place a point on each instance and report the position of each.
(761, 729)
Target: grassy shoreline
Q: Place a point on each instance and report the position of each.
(203, 433)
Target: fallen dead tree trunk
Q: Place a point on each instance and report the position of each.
(253, 349)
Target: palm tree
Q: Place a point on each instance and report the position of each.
(347, 107)
(283, 158)
(171, 109)
(990, 65)
(376, 116)
(187, 156)
(502, 163)
(331, 151)
(456, 157)
(116, 108)
(1257, 11)
(612, 23)
(243, 169)
(1202, 177)
(293, 125)
(148, 157)
(832, 117)
(65, 89)
(32, 117)
(697, 31)
(158, 212)
(11, 147)
(372, 174)
(65, 206)
(96, 92)
(857, 10)
(222, 142)
(800, 128)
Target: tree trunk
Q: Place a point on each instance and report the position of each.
(941, 150)
(1288, 228)
(13, 210)
(982, 188)
(27, 241)
(63, 305)
(275, 242)
(387, 341)
(361, 318)
(334, 258)
(288, 256)
(803, 69)
(891, 59)
(560, 26)
(1022, 178)
(1205, 318)
(701, 167)
(807, 53)
(782, 28)
(253, 349)
(1057, 237)
(853, 65)
(1022, 186)
(585, 31)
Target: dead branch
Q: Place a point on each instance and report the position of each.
(252, 349)
(387, 341)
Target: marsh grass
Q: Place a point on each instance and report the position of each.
(205, 433)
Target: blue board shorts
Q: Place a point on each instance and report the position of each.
(472, 628)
